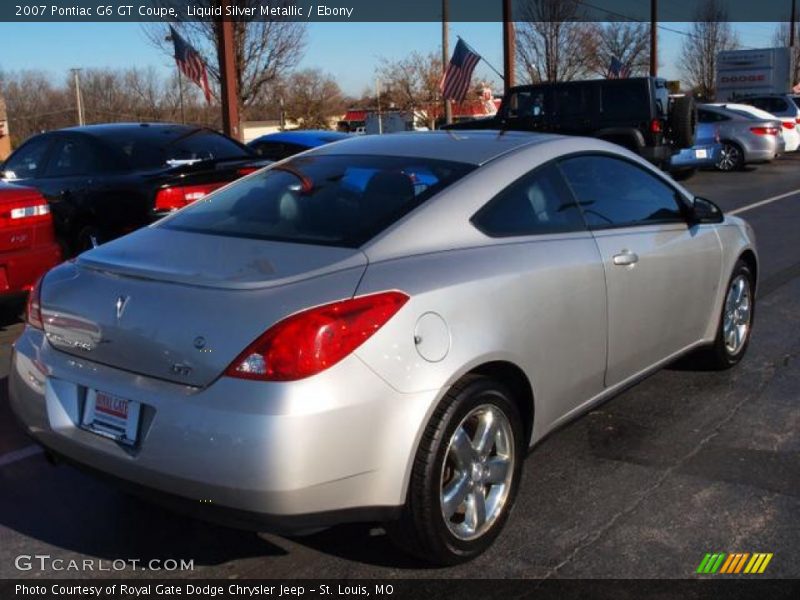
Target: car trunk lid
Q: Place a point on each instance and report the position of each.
(183, 311)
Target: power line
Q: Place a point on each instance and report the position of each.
(631, 19)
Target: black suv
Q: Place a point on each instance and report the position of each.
(637, 113)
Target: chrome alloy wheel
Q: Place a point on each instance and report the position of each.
(477, 472)
(729, 157)
(738, 309)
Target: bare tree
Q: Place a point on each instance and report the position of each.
(313, 98)
(412, 84)
(34, 104)
(551, 44)
(782, 37)
(264, 50)
(629, 42)
(709, 35)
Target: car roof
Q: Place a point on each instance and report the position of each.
(107, 129)
(749, 109)
(466, 146)
(311, 138)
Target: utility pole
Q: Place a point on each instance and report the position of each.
(654, 37)
(227, 75)
(448, 110)
(791, 24)
(378, 98)
(509, 45)
(76, 73)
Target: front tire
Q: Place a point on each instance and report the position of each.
(736, 320)
(465, 474)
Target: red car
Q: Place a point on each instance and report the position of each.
(28, 245)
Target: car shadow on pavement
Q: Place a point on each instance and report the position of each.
(62, 507)
(11, 310)
(59, 506)
(366, 543)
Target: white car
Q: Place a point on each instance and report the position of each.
(789, 131)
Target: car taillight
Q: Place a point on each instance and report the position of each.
(26, 211)
(797, 120)
(655, 126)
(788, 125)
(33, 311)
(173, 198)
(246, 171)
(311, 341)
(765, 130)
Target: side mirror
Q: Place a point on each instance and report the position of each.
(705, 211)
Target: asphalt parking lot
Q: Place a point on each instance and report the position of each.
(685, 463)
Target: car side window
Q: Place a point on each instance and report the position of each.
(779, 105)
(71, 156)
(707, 116)
(25, 162)
(537, 203)
(269, 150)
(615, 193)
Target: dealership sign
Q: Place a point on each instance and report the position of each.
(742, 72)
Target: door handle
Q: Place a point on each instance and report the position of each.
(625, 258)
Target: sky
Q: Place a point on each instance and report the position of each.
(348, 51)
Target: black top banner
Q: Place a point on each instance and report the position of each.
(388, 11)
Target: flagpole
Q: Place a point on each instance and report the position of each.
(488, 64)
(448, 110)
(180, 93)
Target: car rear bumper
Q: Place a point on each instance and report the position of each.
(687, 158)
(763, 149)
(284, 457)
(19, 270)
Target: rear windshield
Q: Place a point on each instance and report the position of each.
(320, 199)
(748, 115)
(152, 148)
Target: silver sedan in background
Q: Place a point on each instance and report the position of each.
(745, 139)
(379, 329)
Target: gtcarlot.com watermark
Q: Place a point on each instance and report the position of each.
(45, 562)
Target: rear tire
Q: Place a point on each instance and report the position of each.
(735, 323)
(731, 157)
(465, 474)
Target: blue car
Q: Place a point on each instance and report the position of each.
(277, 146)
(704, 154)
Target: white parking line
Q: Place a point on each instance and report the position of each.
(763, 202)
(18, 455)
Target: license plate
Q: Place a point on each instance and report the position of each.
(701, 153)
(111, 416)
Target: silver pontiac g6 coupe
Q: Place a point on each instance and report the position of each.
(379, 329)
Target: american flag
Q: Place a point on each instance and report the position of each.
(190, 63)
(455, 82)
(618, 70)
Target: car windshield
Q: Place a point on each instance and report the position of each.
(156, 147)
(324, 199)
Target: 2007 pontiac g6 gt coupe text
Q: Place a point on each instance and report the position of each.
(379, 329)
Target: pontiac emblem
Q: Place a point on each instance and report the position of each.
(122, 303)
